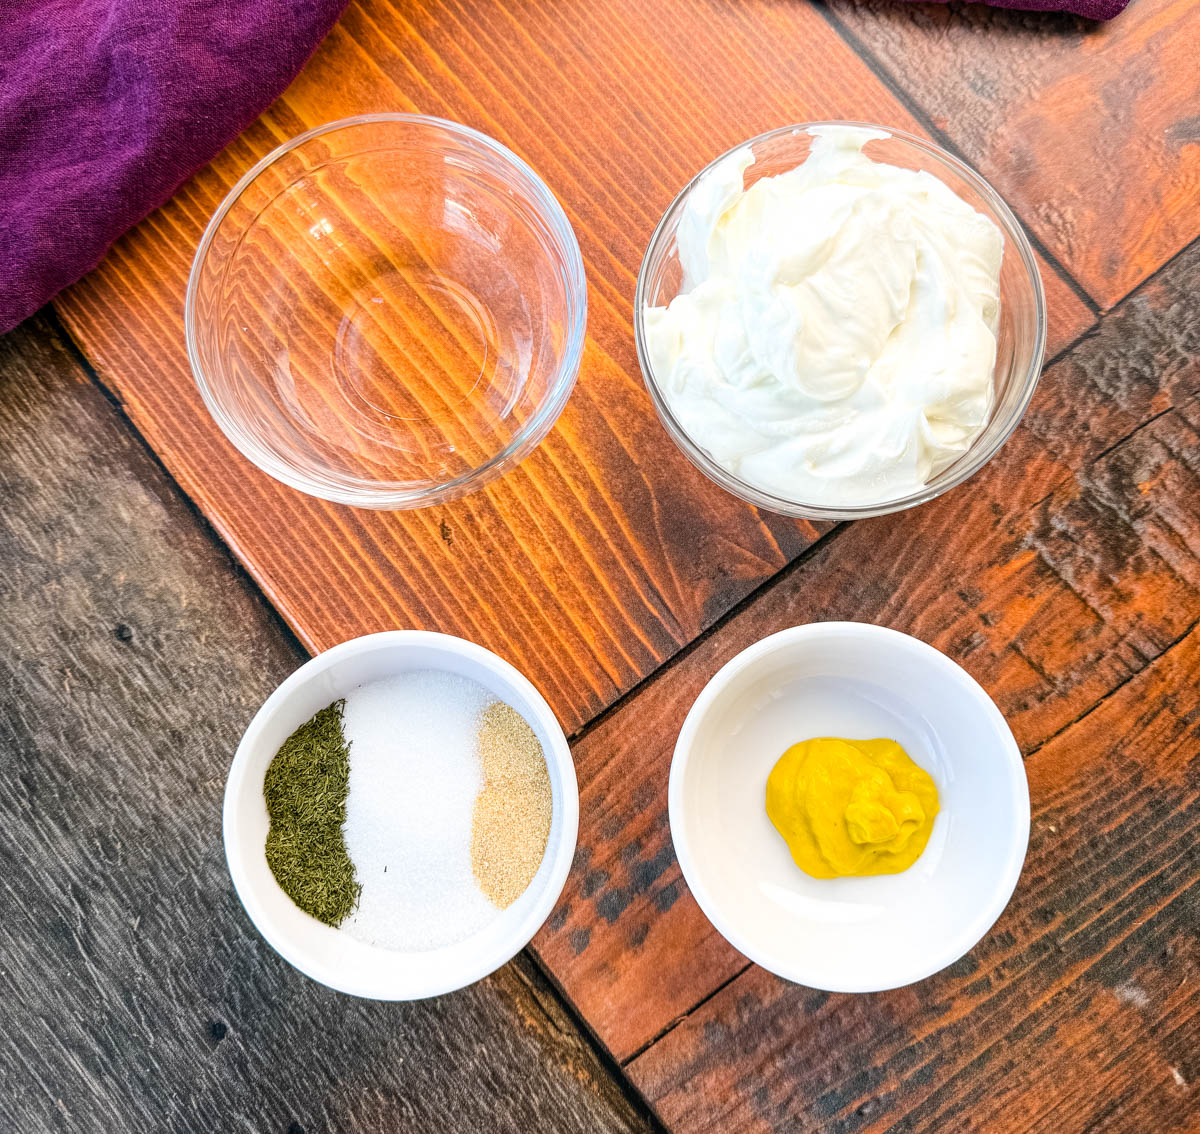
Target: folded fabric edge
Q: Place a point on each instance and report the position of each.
(237, 127)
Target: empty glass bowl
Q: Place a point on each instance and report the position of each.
(1021, 333)
(387, 311)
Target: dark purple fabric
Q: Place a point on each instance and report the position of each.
(1090, 9)
(106, 106)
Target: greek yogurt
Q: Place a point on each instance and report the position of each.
(835, 335)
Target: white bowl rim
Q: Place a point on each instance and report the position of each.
(237, 850)
(973, 931)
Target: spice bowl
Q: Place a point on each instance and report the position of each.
(848, 934)
(328, 954)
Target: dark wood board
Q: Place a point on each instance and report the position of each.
(1057, 575)
(606, 551)
(1091, 131)
(135, 995)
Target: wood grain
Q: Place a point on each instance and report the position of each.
(606, 551)
(1055, 576)
(136, 994)
(1064, 576)
(1090, 131)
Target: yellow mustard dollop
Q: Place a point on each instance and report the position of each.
(851, 806)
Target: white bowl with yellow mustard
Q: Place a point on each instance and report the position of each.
(848, 807)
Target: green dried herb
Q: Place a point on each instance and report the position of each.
(305, 790)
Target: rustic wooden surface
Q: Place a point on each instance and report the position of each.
(1057, 574)
(1064, 576)
(1091, 131)
(1081, 1009)
(606, 551)
(134, 993)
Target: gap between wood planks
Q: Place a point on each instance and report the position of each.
(539, 976)
(829, 536)
(819, 544)
(684, 1015)
(607, 1060)
(880, 70)
(1116, 688)
(542, 981)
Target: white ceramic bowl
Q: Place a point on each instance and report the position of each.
(858, 681)
(328, 955)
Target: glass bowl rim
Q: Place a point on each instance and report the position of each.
(971, 461)
(550, 211)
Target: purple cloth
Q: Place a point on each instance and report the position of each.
(106, 106)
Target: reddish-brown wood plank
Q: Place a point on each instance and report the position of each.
(1054, 576)
(1092, 131)
(1079, 1012)
(606, 551)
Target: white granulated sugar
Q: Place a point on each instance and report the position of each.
(414, 776)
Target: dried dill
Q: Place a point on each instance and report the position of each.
(305, 791)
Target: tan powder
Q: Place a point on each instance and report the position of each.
(511, 823)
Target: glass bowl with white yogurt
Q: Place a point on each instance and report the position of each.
(838, 320)
(387, 311)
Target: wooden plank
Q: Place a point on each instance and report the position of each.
(1058, 573)
(1079, 1012)
(1091, 131)
(606, 551)
(136, 994)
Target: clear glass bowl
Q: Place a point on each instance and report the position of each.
(1021, 334)
(387, 311)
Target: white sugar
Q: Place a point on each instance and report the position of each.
(414, 776)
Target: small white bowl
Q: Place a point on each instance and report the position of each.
(335, 958)
(859, 681)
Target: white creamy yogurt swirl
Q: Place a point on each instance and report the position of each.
(835, 336)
